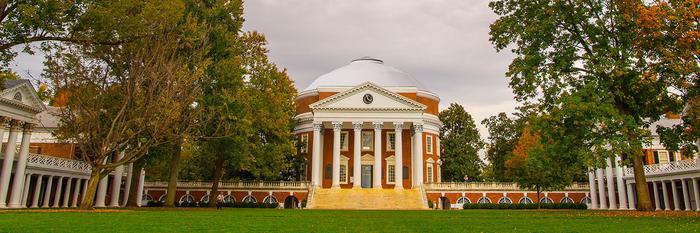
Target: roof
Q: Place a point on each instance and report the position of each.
(49, 118)
(365, 69)
(10, 83)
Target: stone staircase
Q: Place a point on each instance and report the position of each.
(367, 199)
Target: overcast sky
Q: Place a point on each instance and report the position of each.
(442, 43)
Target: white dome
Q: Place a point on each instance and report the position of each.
(362, 70)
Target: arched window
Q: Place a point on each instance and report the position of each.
(484, 200)
(505, 200)
(546, 200)
(463, 200)
(204, 199)
(586, 200)
(566, 200)
(249, 199)
(270, 200)
(146, 198)
(229, 199)
(18, 96)
(162, 198)
(525, 200)
(187, 199)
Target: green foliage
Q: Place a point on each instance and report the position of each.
(502, 206)
(504, 133)
(461, 143)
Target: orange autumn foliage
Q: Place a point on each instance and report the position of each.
(527, 141)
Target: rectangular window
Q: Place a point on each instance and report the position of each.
(391, 141)
(304, 143)
(429, 144)
(343, 174)
(344, 141)
(367, 140)
(663, 157)
(391, 174)
(430, 172)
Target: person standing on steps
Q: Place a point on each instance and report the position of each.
(219, 201)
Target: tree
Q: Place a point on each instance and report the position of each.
(579, 57)
(504, 133)
(670, 33)
(88, 23)
(119, 113)
(461, 144)
(533, 168)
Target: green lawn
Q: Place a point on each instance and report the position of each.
(267, 220)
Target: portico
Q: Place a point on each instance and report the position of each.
(370, 126)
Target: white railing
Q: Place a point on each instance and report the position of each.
(668, 168)
(51, 162)
(488, 186)
(234, 185)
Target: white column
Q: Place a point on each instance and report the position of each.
(102, 188)
(316, 162)
(418, 155)
(139, 192)
(398, 155)
(620, 183)
(25, 193)
(357, 159)
(665, 192)
(674, 191)
(7, 162)
(16, 201)
(57, 196)
(37, 192)
(127, 186)
(66, 195)
(593, 189)
(611, 184)
(377, 169)
(76, 192)
(335, 182)
(657, 201)
(47, 193)
(439, 163)
(686, 197)
(630, 197)
(696, 193)
(84, 192)
(601, 188)
(117, 182)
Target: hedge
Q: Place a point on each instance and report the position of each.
(577, 206)
(205, 204)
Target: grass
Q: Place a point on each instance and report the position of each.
(272, 220)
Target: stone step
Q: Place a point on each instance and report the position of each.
(367, 199)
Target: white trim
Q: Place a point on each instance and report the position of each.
(304, 140)
(525, 198)
(346, 134)
(509, 201)
(371, 140)
(388, 141)
(344, 162)
(390, 161)
(429, 144)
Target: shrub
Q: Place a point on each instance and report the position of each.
(153, 203)
(430, 204)
(186, 204)
(303, 203)
(251, 205)
(578, 206)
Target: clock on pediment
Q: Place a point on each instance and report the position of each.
(367, 98)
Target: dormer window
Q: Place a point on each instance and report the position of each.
(18, 96)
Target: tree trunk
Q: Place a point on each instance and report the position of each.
(89, 198)
(172, 181)
(538, 197)
(218, 173)
(643, 197)
(135, 178)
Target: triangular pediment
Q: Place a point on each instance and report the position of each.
(23, 96)
(367, 97)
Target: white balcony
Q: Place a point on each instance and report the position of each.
(490, 186)
(237, 185)
(672, 168)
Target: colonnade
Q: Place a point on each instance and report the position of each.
(609, 190)
(317, 158)
(18, 181)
